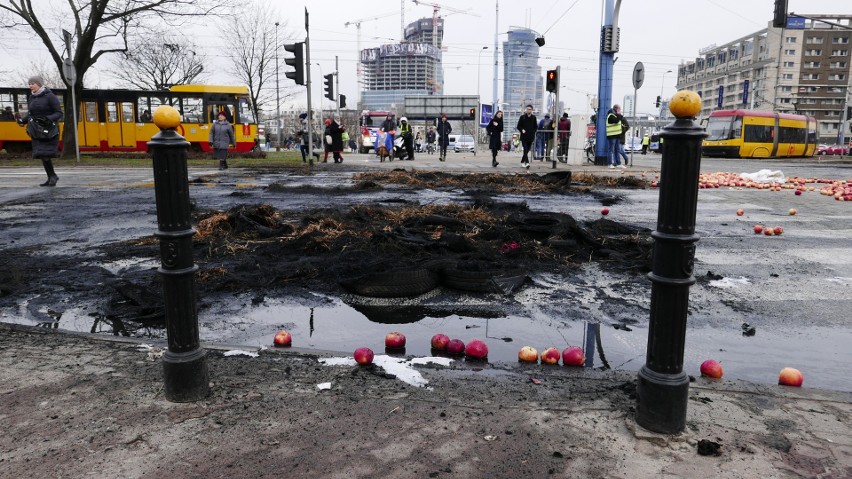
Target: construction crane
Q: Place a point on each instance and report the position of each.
(357, 24)
(435, 9)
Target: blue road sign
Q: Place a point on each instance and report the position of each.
(485, 112)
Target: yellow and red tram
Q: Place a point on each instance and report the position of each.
(120, 120)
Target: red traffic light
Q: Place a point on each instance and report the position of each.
(552, 83)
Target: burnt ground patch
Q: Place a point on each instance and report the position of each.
(263, 249)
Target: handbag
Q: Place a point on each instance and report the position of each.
(328, 139)
(41, 128)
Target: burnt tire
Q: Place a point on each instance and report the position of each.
(501, 281)
(393, 284)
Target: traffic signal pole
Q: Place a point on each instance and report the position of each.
(336, 84)
(556, 117)
(308, 85)
(609, 46)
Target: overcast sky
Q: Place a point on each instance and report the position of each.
(659, 33)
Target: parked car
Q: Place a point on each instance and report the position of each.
(464, 143)
(633, 144)
(832, 150)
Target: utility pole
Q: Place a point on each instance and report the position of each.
(609, 47)
(337, 85)
(70, 73)
(308, 81)
(277, 96)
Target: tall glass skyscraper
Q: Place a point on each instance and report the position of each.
(523, 82)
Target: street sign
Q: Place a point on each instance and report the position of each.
(638, 75)
(68, 70)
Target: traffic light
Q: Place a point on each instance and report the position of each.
(609, 39)
(552, 81)
(472, 113)
(329, 86)
(659, 100)
(779, 19)
(297, 62)
(342, 99)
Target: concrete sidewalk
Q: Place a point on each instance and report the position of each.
(81, 406)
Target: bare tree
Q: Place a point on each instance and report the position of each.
(253, 53)
(153, 63)
(99, 27)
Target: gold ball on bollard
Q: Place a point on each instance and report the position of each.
(685, 104)
(166, 117)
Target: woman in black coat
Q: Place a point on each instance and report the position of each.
(43, 113)
(495, 135)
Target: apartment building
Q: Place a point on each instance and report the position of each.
(803, 68)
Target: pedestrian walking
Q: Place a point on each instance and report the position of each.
(407, 138)
(41, 119)
(646, 142)
(430, 140)
(527, 125)
(549, 128)
(221, 137)
(444, 130)
(613, 132)
(622, 139)
(541, 137)
(334, 130)
(564, 137)
(495, 136)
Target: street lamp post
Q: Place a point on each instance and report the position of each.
(277, 94)
(478, 113)
(662, 85)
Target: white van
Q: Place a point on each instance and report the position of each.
(464, 143)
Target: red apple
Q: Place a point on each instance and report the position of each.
(758, 229)
(282, 338)
(363, 356)
(604, 211)
(476, 349)
(395, 340)
(792, 212)
(790, 377)
(768, 231)
(455, 347)
(440, 341)
(528, 354)
(778, 230)
(797, 192)
(711, 369)
(740, 212)
(550, 356)
(573, 356)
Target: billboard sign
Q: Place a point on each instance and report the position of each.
(721, 96)
(745, 92)
(485, 113)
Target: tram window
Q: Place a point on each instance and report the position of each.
(758, 134)
(91, 111)
(7, 110)
(215, 109)
(112, 112)
(192, 110)
(158, 101)
(246, 113)
(22, 106)
(791, 135)
(127, 112)
(144, 111)
(737, 128)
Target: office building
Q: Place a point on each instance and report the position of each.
(392, 72)
(803, 68)
(523, 78)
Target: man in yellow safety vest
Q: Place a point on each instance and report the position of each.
(613, 132)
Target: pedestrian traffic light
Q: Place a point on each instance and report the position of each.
(342, 99)
(552, 81)
(329, 86)
(472, 113)
(779, 19)
(659, 100)
(297, 62)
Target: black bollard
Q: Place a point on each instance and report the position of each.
(184, 363)
(662, 386)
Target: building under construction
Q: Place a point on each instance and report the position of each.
(392, 72)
